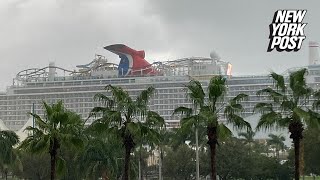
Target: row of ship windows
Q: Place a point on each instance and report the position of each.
(93, 88)
(79, 83)
(76, 103)
(20, 121)
(155, 103)
(47, 96)
(82, 108)
(250, 81)
(9, 123)
(174, 93)
(247, 88)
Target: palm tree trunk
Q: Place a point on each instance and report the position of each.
(129, 145)
(212, 141)
(126, 163)
(296, 129)
(53, 165)
(278, 152)
(160, 162)
(302, 165)
(297, 158)
(53, 155)
(6, 174)
(197, 156)
(140, 160)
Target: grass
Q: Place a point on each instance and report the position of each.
(310, 178)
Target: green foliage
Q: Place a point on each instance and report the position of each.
(101, 155)
(289, 108)
(58, 128)
(312, 150)
(179, 164)
(7, 140)
(237, 160)
(292, 100)
(206, 111)
(122, 115)
(8, 156)
(277, 142)
(34, 166)
(127, 119)
(248, 136)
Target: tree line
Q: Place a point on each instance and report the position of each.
(119, 141)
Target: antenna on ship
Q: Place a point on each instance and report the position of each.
(314, 57)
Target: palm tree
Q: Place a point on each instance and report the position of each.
(208, 109)
(100, 158)
(248, 136)
(8, 139)
(278, 142)
(191, 121)
(129, 119)
(146, 137)
(58, 127)
(288, 109)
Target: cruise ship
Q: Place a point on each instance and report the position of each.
(76, 88)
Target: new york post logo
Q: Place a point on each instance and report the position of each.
(287, 30)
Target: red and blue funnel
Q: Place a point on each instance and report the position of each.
(132, 62)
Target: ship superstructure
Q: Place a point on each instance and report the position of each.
(78, 87)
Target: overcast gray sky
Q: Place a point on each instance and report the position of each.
(70, 32)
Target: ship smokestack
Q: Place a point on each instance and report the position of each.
(314, 57)
(52, 71)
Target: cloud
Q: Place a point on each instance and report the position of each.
(237, 30)
(70, 32)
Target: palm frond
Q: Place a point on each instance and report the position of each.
(118, 94)
(239, 98)
(233, 109)
(34, 130)
(313, 120)
(287, 105)
(274, 95)
(183, 111)
(297, 79)
(279, 81)
(103, 98)
(223, 132)
(263, 107)
(196, 93)
(187, 123)
(144, 97)
(269, 120)
(61, 166)
(217, 88)
(207, 115)
(302, 114)
(39, 122)
(238, 121)
(48, 109)
(248, 135)
(154, 120)
(96, 111)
